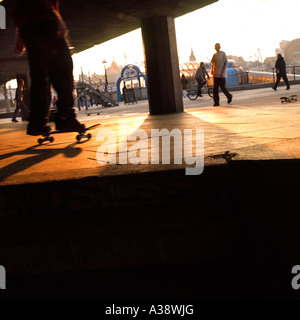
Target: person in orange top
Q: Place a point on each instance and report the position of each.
(218, 70)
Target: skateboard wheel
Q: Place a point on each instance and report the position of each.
(78, 137)
(89, 136)
(40, 140)
(51, 139)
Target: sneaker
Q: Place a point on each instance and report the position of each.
(38, 131)
(288, 88)
(274, 88)
(229, 99)
(14, 120)
(69, 125)
(216, 104)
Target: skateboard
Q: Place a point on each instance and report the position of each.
(291, 98)
(80, 135)
(93, 112)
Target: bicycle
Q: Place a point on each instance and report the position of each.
(193, 93)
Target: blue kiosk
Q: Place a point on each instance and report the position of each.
(130, 73)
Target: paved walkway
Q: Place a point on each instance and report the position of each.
(255, 126)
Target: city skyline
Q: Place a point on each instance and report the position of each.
(242, 28)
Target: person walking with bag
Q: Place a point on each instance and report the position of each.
(19, 102)
(280, 72)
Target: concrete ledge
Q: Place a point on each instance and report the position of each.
(237, 214)
(96, 193)
(8, 115)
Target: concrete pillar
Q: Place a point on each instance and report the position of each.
(162, 66)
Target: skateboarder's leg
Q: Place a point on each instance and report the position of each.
(37, 38)
(61, 76)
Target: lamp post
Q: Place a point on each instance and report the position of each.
(82, 80)
(105, 73)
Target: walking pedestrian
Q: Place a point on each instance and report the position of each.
(183, 85)
(19, 102)
(218, 70)
(280, 72)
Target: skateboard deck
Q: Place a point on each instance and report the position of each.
(291, 98)
(93, 112)
(79, 136)
(96, 111)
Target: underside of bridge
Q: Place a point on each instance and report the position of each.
(93, 22)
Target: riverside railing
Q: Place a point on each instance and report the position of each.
(256, 77)
(292, 71)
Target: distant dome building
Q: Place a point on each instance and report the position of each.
(290, 51)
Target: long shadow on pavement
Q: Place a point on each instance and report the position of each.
(38, 156)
